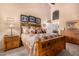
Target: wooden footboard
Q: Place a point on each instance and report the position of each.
(49, 47)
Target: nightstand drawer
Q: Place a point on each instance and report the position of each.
(7, 39)
(16, 44)
(8, 46)
(16, 37)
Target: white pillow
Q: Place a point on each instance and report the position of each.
(25, 29)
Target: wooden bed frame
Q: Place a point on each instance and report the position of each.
(48, 47)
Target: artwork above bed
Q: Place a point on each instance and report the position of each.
(24, 18)
(38, 20)
(30, 19)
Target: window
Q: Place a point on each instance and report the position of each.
(56, 15)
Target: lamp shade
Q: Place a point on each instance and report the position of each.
(11, 25)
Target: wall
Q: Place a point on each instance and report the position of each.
(67, 12)
(15, 10)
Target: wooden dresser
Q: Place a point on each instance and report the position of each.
(11, 42)
(71, 36)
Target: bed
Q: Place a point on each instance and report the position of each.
(41, 44)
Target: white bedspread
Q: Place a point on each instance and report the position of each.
(26, 38)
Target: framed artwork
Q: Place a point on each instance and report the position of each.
(32, 19)
(38, 20)
(55, 15)
(24, 18)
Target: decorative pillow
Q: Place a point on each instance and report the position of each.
(25, 29)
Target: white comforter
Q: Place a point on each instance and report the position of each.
(26, 38)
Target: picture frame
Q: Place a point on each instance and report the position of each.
(38, 20)
(24, 18)
(32, 19)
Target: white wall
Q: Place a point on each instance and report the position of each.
(15, 10)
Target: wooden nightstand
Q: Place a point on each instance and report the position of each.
(11, 42)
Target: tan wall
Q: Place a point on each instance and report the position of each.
(15, 10)
(67, 12)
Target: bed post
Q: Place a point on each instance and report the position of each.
(37, 48)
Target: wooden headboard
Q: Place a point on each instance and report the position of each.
(26, 21)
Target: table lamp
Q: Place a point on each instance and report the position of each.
(11, 28)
